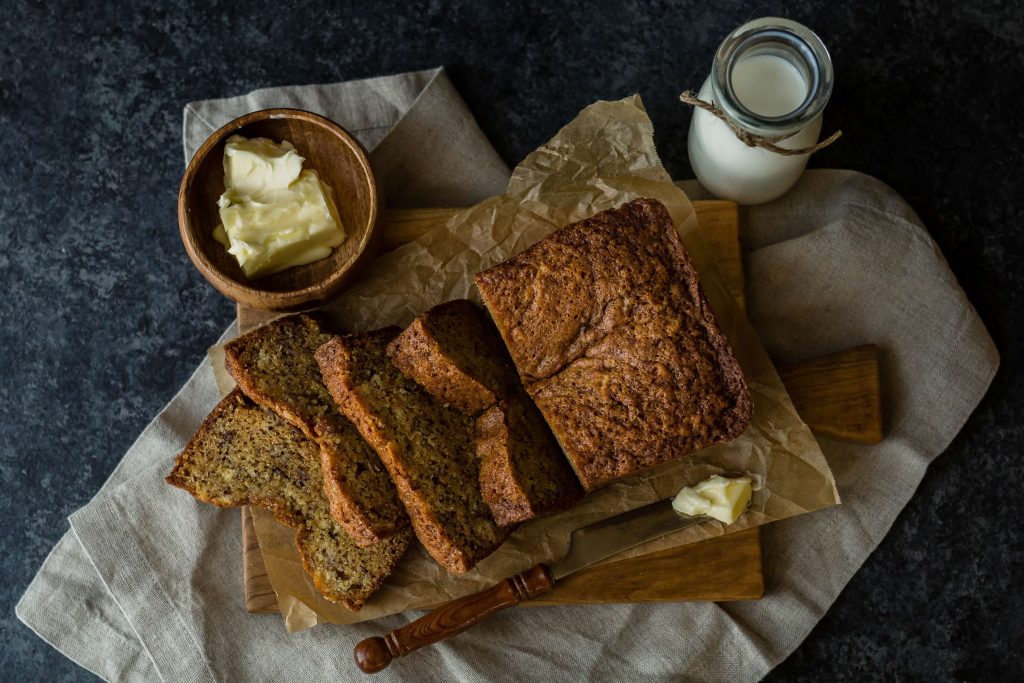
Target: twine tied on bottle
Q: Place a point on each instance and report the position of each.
(750, 139)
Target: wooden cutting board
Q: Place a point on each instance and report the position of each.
(837, 395)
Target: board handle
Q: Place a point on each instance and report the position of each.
(452, 618)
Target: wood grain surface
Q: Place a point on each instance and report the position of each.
(839, 394)
(725, 568)
(259, 594)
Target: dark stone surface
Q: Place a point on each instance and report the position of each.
(102, 318)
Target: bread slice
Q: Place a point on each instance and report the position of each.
(247, 455)
(361, 494)
(426, 446)
(454, 352)
(523, 473)
(622, 353)
(274, 366)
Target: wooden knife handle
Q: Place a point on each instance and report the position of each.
(452, 618)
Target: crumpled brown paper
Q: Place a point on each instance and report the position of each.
(603, 158)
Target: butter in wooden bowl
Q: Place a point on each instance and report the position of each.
(274, 214)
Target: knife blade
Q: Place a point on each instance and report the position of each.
(587, 545)
(610, 536)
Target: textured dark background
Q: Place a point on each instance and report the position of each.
(102, 317)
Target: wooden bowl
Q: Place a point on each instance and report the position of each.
(341, 163)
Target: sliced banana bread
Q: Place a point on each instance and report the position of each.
(454, 352)
(274, 366)
(362, 496)
(622, 353)
(426, 446)
(523, 473)
(247, 455)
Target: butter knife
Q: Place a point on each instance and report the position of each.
(587, 545)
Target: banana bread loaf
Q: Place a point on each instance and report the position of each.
(622, 353)
(274, 366)
(247, 455)
(426, 446)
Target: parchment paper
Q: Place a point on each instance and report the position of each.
(603, 158)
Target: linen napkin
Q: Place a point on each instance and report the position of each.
(147, 583)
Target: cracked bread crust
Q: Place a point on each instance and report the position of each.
(243, 454)
(274, 366)
(426, 446)
(615, 341)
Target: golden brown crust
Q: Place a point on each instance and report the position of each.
(274, 366)
(454, 352)
(616, 343)
(523, 472)
(343, 473)
(426, 447)
(246, 455)
(501, 491)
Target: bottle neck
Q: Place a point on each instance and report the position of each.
(772, 77)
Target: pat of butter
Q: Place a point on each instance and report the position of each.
(252, 167)
(717, 497)
(274, 215)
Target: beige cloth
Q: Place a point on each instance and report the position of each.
(147, 583)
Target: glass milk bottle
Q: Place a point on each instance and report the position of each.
(771, 78)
